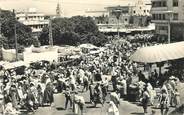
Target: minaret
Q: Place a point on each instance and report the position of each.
(58, 10)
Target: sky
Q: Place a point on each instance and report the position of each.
(68, 7)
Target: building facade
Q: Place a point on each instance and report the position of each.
(168, 14)
(130, 16)
(124, 16)
(33, 19)
(141, 8)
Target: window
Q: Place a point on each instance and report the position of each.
(175, 3)
(159, 4)
(153, 4)
(158, 17)
(126, 19)
(163, 28)
(175, 16)
(134, 11)
(163, 16)
(153, 16)
(144, 11)
(164, 4)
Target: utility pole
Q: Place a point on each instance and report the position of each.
(169, 31)
(50, 33)
(169, 13)
(15, 34)
(16, 45)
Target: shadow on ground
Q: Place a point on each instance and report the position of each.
(60, 108)
(135, 113)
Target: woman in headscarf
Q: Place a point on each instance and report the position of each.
(48, 95)
(164, 102)
(176, 98)
(14, 95)
(112, 109)
(151, 92)
(30, 100)
(39, 95)
(145, 100)
(97, 95)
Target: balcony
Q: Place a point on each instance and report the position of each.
(159, 21)
(159, 9)
(36, 22)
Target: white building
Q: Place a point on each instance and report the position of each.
(33, 19)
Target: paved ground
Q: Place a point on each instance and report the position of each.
(126, 108)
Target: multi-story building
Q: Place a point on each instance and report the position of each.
(33, 19)
(141, 12)
(131, 15)
(168, 14)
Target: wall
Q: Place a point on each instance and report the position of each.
(177, 31)
(48, 56)
(10, 55)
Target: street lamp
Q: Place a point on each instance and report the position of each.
(117, 12)
(169, 13)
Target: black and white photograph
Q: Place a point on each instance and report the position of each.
(91, 57)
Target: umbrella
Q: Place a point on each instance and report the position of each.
(159, 53)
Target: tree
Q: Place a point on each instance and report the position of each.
(72, 31)
(84, 25)
(24, 33)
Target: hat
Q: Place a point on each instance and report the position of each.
(111, 103)
(172, 77)
(60, 79)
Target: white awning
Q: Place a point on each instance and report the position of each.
(88, 46)
(159, 53)
(12, 65)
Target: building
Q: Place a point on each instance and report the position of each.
(33, 19)
(141, 13)
(124, 14)
(168, 14)
(141, 8)
(130, 16)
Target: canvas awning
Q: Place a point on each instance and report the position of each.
(159, 53)
(14, 64)
(88, 46)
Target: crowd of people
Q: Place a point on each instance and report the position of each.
(94, 74)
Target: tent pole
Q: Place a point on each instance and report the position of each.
(160, 70)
